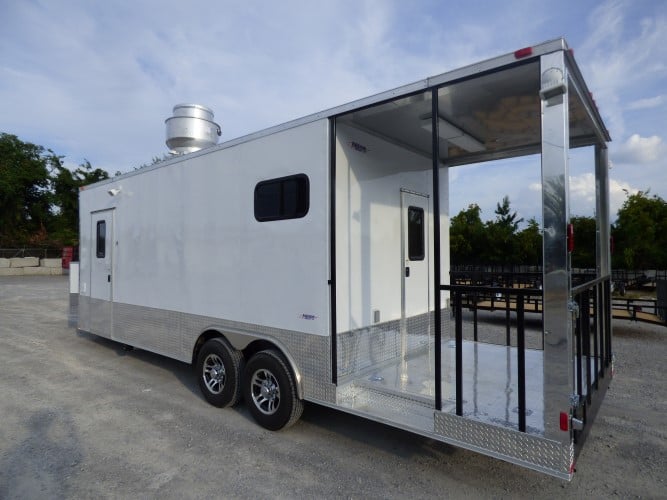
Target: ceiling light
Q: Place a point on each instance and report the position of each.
(455, 135)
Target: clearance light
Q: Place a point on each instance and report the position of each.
(564, 421)
(521, 53)
(570, 238)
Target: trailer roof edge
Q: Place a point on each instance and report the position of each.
(469, 71)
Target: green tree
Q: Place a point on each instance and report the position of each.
(501, 235)
(466, 236)
(25, 199)
(39, 196)
(585, 242)
(530, 244)
(640, 233)
(66, 185)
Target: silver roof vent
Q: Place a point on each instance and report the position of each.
(191, 128)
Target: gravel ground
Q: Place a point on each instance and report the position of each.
(81, 418)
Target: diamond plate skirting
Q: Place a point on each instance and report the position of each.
(530, 451)
(73, 313)
(174, 334)
(368, 348)
(98, 316)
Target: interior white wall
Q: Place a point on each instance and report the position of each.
(370, 172)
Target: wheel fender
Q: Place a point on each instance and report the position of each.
(240, 340)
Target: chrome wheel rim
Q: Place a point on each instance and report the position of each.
(265, 391)
(214, 374)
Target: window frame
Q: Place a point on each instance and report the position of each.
(101, 239)
(417, 253)
(301, 211)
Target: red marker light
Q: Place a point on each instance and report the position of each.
(570, 238)
(564, 421)
(521, 53)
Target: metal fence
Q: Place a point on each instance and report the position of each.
(39, 252)
(661, 306)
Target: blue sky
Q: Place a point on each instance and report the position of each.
(96, 80)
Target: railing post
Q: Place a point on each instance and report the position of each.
(578, 349)
(521, 361)
(459, 353)
(607, 333)
(586, 340)
(507, 319)
(474, 315)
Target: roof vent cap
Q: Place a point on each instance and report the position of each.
(191, 128)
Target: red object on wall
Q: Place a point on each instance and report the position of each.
(570, 238)
(68, 254)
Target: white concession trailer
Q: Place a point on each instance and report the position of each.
(310, 262)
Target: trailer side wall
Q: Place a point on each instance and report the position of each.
(185, 240)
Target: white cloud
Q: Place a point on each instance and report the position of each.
(618, 192)
(646, 103)
(624, 55)
(96, 80)
(640, 150)
(582, 194)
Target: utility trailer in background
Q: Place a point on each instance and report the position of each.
(310, 262)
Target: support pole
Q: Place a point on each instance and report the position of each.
(437, 299)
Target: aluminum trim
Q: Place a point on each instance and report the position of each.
(585, 95)
(534, 452)
(558, 366)
(332, 249)
(73, 313)
(602, 210)
(174, 334)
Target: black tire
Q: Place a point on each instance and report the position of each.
(219, 368)
(270, 391)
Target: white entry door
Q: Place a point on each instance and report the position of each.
(101, 271)
(414, 253)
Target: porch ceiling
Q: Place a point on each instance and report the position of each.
(494, 115)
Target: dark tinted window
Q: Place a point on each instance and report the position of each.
(101, 238)
(283, 198)
(415, 233)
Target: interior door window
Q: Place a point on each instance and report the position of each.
(101, 239)
(416, 233)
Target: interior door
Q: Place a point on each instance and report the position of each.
(101, 272)
(414, 253)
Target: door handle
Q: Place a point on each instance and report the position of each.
(108, 278)
(407, 271)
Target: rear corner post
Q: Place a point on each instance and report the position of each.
(558, 372)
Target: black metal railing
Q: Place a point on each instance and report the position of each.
(592, 338)
(467, 296)
(633, 306)
(476, 298)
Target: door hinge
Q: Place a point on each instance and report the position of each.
(573, 307)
